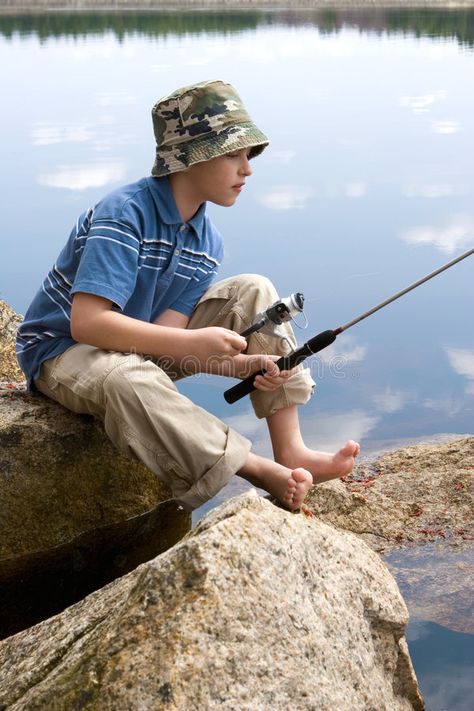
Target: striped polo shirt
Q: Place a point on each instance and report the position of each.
(132, 248)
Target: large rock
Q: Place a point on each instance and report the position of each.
(255, 609)
(9, 322)
(74, 513)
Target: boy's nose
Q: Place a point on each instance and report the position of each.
(245, 168)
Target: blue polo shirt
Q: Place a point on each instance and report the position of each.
(132, 248)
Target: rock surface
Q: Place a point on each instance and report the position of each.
(75, 512)
(9, 322)
(255, 609)
(416, 494)
(60, 476)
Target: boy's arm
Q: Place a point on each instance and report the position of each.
(238, 366)
(94, 322)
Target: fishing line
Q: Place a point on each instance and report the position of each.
(325, 338)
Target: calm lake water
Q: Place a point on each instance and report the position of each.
(367, 186)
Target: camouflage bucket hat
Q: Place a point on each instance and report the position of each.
(200, 122)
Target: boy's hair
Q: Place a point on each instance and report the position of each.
(200, 122)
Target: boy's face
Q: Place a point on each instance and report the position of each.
(220, 180)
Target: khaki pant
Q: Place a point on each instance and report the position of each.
(144, 414)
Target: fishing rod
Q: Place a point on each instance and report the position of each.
(325, 338)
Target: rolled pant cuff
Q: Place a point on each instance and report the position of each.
(235, 455)
(296, 391)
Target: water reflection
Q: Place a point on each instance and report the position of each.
(328, 431)
(81, 177)
(283, 157)
(434, 191)
(462, 361)
(287, 197)
(455, 234)
(436, 582)
(46, 134)
(444, 661)
(338, 356)
(390, 400)
(422, 104)
(446, 127)
(432, 22)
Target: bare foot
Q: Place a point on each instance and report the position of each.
(288, 486)
(322, 465)
(297, 486)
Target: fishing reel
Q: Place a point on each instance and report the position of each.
(283, 310)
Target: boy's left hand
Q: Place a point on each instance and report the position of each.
(245, 365)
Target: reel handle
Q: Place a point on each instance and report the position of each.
(322, 340)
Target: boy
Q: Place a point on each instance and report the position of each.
(129, 304)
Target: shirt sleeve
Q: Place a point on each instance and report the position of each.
(109, 261)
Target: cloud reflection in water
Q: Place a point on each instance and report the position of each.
(287, 197)
(390, 400)
(81, 177)
(328, 432)
(46, 134)
(462, 361)
(422, 104)
(433, 190)
(445, 127)
(457, 233)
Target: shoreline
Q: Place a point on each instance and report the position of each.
(19, 7)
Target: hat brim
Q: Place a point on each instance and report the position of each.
(174, 159)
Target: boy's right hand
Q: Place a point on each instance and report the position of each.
(214, 341)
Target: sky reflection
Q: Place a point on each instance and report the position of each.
(434, 191)
(82, 177)
(356, 196)
(287, 197)
(390, 400)
(462, 361)
(423, 104)
(44, 134)
(456, 234)
(446, 127)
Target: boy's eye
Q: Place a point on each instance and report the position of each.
(237, 154)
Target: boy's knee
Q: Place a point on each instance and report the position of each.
(255, 282)
(240, 288)
(256, 294)
(255, 291)
(233, 302)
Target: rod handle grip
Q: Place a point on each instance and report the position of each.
(245, 387)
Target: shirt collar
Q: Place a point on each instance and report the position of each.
(169, 213)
